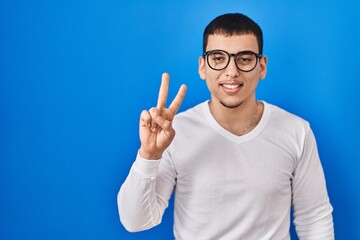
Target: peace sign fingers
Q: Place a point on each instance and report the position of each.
(163, 95)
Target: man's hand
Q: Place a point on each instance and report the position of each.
(156, 131)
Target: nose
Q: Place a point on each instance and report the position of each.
(231, 70)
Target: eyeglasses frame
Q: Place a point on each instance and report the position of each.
(257, 55)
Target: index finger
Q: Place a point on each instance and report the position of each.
(176, 103)
(163, 92)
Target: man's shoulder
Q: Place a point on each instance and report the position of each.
(286, 119)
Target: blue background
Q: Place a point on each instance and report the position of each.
(75, 75)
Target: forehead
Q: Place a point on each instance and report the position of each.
(233, 44)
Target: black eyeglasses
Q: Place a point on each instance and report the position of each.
(245, 61)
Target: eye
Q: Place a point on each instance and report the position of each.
(245, 59)
(218, 57)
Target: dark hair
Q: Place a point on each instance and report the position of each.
(233, 24)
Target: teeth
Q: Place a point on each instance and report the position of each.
(231, 86)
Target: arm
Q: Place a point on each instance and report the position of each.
(144, 196)
(312, 208)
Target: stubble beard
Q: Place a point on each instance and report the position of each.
(230, 106)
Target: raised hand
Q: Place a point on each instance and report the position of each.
(156, 131)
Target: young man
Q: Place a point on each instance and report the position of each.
(236, 164)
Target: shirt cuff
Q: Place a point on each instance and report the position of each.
(146, 168)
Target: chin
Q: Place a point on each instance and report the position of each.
(228, 105)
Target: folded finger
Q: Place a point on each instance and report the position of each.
(166, 126)
(145, 119)
(154, 112)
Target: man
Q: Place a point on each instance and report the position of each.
(236, 164)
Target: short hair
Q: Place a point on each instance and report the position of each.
(233, 24)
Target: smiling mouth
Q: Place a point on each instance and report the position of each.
(231, 88)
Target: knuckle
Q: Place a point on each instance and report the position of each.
(153, 111)
(145, 115)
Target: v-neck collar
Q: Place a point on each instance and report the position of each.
(232, 137)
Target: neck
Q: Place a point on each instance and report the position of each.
(237, 120)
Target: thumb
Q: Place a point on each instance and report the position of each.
(166, 126)
(163, 123)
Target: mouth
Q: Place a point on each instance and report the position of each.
(231, 88)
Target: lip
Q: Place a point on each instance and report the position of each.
(231, 88)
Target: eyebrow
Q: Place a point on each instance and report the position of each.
(250, 51)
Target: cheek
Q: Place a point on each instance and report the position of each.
(211, 80)
(212, 77)
(256, 74)
(253, 79)
(252, 83)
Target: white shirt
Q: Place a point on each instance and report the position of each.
(232, 187)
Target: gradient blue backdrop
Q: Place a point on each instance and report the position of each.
(75, 75)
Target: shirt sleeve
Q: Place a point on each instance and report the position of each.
(312, 208)
(145, 194)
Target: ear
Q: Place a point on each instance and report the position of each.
(201, 69)
(263, 66)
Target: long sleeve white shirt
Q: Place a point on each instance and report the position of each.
(232, 187)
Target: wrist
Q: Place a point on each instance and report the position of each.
(148, 156)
